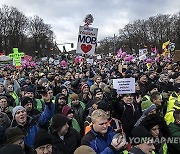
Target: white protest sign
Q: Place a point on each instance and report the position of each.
(142, 57)
(99, 57)
(51, 60)
(87, 40)
(142, 52)
(124, 85)
(56, 62)
(89, 61)
(44, 58)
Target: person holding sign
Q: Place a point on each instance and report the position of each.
(128, 112)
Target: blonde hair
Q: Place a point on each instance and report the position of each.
(98, 113)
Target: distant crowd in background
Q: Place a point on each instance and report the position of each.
(72, 107)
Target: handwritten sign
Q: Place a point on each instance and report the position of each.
(124, 85)
(16, 57)
(87, 40)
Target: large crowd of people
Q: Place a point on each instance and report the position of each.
(74, 108)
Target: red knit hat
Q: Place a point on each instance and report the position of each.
(66, 110)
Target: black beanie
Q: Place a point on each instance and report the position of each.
(97, 90)
(58, 121)
(13, 134)
(25, 100)
(152, 86)
(28, 89)
(103, 105)
(12, 149)
(42, 138)
(141, 133)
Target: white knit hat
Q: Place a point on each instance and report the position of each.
(15, 109)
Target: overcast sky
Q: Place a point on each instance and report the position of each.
(65, 16)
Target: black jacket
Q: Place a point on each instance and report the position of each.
(128, 116)
(69, 144)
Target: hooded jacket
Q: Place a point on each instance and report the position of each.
(174, 132)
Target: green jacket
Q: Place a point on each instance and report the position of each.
(75, 125)
(174, 132)
(39, 104)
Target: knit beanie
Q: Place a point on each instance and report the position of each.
(97, 90)
(15, 109)
(67, 110)
(3, 97)
(74, 96)
(84, 149)
(28, 89)
(12, 149)
(12, 135)
(42, 137)
(103, 105)
(58, 121)
(152, 86)
(25, 100)
(145, 104)
(141, 133)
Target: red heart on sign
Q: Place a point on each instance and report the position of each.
(86, 48)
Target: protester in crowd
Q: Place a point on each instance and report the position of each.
(64, 138)
(142, 141)
(43, 143)
(16, 136)
(84, 149)
(159, 130)
(113, 122)
(27, 103)
(79, 108)
(97, 83)
(59, 103)
(2, 90)
(85, 95)
(100, 137)
(174, 129)
(143, 83)
(127, 108)
(12, 149)
(27, 124)
(69, 113)
(148, 108)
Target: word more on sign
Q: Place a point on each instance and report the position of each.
(87, 40)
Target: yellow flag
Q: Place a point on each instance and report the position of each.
(165, 44)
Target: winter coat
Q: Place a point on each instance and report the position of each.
(174, 132)
(99, 143)
(31, 127)
(69, 144)
(128, 115)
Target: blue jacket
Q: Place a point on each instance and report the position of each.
(100, 144)
(31, 127)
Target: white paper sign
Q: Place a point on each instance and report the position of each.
(89, 61)
(44, 59)
(99, 57)
(142, 57)
(87, 40)
(142, 52)
(56, 62)
(124, 85)
(51, 60)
